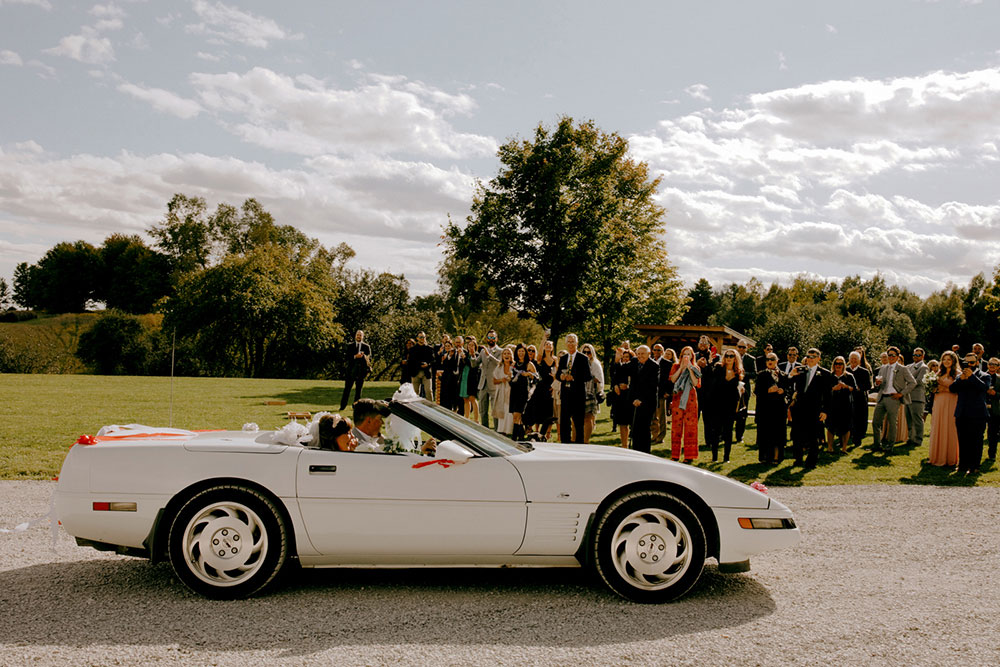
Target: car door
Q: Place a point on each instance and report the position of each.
(380, 505)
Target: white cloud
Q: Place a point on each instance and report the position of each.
(45, 71)
(304, 115)
(211, 57)
(108, 11)
(805, 179)
(390, 211)
(43, 4)
(782, 63)
(10, 58)
(87, 47)
(831, 29)
(229, 24)
(698, 91)
(163, 100)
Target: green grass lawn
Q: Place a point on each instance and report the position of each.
(44, 414)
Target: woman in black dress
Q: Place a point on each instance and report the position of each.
(622, 411)
(724, 398)
(539, 414)
(772, 389)
(523, 375)
(448, 361)
(840, 412)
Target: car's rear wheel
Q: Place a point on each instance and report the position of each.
(228, 542)
(649, 546)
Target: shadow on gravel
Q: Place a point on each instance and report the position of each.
(128, 601)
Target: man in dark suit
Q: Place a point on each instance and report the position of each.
(644, 392)
(859, 398)
(979, 351)
(749, 374)
(420, 363)
(658, 426)
(993, 403)
(811, 394)
(971, 413)
(791, 361)
(358, 356)
(574, 374)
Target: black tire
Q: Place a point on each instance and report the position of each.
(649, 546)
(247, 536)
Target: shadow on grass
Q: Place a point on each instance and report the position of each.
(872, 460)
(944, 475)
(324, 396)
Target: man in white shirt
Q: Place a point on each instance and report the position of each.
(368, 416)
(894, 382)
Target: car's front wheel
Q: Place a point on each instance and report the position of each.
(649, 546)
(228, 542)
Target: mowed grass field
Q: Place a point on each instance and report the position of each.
(43, 415)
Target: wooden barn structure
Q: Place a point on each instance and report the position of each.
(676, 336)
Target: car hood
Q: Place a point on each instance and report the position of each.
(589, 473)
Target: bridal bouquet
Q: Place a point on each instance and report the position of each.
(930, 381)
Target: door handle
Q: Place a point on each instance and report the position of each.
(322, 470)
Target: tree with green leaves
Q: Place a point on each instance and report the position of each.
(701, 304)
(63, 280)
(567, 229)
(6, 295)
(262, 314)
(132, 276)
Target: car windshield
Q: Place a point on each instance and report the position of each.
(487, 441)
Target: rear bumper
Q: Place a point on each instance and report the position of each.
(109, 529)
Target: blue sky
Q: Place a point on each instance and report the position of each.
(824, 138)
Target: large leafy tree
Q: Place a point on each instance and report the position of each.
(261, 314)
(132, 276)
(63, 280)
(702, 304)
(567, 228)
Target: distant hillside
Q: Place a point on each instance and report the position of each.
(46, 344)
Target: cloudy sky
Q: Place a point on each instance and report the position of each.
(826, 138)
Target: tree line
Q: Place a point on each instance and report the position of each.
(566, 237)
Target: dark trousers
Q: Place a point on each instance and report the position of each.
(358, 382)
(970, 442)
(571, 410)
(640, 429)
(741, 423)
(992, 435)
(807, 431)
(724, 421)
(859, 417)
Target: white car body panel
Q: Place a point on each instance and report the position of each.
(379, 504)
(356, 509)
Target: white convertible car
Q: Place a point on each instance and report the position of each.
(232, 509)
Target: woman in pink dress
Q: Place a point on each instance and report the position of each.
(944, 434)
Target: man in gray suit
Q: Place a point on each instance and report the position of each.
(486, 361)
(894, 383)
(915, 410)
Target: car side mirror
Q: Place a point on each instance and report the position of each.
(449, 449)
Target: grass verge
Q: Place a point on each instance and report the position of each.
(43, 415)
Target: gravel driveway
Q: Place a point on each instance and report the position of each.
(884, 575)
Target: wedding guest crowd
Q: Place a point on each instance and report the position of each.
(523, 390)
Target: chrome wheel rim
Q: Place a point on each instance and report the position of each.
(651, 549)
(225, 544)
